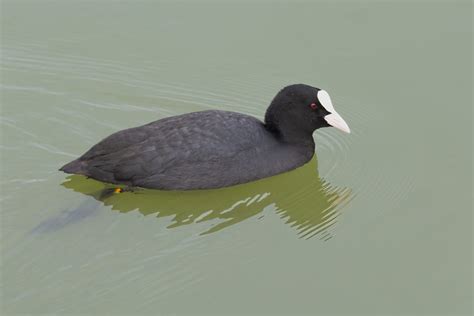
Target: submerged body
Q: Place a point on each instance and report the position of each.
(209, 149)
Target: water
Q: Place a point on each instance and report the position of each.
(379, 223)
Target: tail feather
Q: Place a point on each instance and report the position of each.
(75, 166)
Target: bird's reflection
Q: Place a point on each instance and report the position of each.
(300, 197)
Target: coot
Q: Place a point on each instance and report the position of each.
(213, 149)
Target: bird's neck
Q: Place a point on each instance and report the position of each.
(291, 135)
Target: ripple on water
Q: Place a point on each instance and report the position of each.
(377, 183)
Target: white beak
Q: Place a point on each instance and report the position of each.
(335, 120)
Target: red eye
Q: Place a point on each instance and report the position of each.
(314, 106)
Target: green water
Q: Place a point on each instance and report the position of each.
(379, 224)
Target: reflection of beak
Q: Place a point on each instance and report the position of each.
(335, 120)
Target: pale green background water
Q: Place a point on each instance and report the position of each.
(384, 228)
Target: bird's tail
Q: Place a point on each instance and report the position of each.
(75, 166)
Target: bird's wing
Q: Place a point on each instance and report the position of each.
(136, 154)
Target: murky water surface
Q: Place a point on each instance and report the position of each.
(379, 223)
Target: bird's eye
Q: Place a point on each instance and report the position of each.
(314, 106)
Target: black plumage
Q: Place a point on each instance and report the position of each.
(208, 149)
